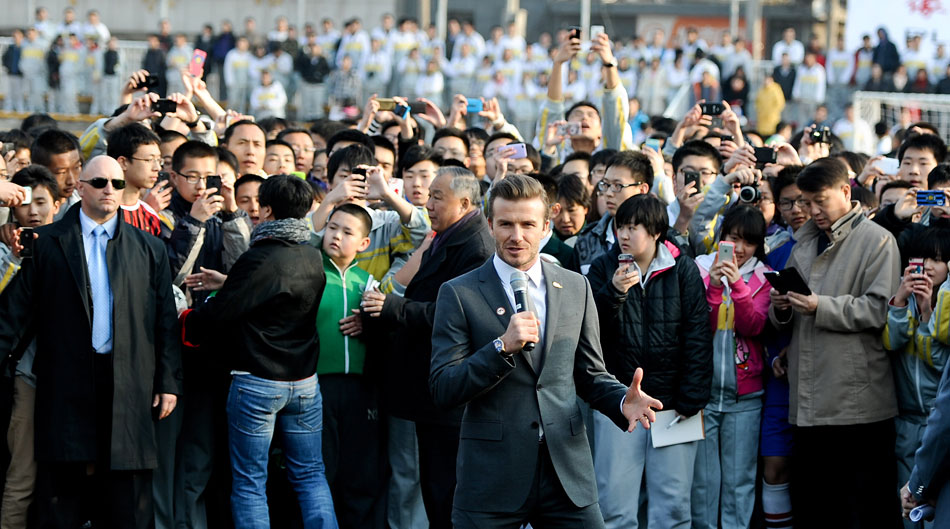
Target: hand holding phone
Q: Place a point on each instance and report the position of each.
(931, 198)
(712, 109)
(25, 240)
(215, 182)
(727, 251)
(765, 155)
(474, 105)
(888, 166)
(654, 143)
(197, 65)
(520, 150)
(165, 106)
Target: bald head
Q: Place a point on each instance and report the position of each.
(100, 198)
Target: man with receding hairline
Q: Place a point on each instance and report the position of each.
(107, 360)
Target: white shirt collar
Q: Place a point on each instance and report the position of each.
(88, 225)
(504, 271)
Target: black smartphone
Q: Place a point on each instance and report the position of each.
(575, 32)
(165, 106)
(150, 81)
(215, 182)
(794, 283)
(417, 107)
(728, 137)
(26, 241)
(162, 177)
(764, 155)
(692, 176)
(359, 171)
(712, 109)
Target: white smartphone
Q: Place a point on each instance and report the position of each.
(727, 251)
(887, 165)
(596, 30)
(29, 195)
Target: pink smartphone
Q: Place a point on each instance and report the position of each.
(197, 65)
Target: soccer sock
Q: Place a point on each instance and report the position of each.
(777, 505)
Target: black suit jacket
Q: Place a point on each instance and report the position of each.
(409, 319)
(51, 295)
(505, 402)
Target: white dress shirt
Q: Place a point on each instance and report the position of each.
(537, 290)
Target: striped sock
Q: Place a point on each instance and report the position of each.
(777, 505)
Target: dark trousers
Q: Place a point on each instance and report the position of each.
(203, 467)
(354, 451)
(547, 506)
(845, 476)
(70, 493)
(438, 451)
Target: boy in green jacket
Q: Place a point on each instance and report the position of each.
(353, 437)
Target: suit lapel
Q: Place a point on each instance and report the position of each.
(70, 240)
(553, 301)
(497, 299)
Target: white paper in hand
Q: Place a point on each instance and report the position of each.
(684, 431)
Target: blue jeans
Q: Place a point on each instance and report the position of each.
(256, 408)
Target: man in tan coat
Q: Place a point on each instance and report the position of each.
(842, 398)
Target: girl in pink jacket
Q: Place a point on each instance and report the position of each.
(738, 297)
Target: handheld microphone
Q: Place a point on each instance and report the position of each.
(519, 285)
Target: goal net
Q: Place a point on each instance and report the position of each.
(894, 108)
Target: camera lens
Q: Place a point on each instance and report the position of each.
(749, 194)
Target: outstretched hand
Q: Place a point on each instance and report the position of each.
(638, 406)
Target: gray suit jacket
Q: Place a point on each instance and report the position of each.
(504, 403)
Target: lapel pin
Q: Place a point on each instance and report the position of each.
(555, 284)
(500, 311)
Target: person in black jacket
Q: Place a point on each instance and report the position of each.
(653, 315)
(265, 315)
(209, 234)
(104, 373)
(463, 243)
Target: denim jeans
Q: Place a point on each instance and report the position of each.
(256, 408)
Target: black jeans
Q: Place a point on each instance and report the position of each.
(846, 476)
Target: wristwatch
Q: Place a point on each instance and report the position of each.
(610, 64)
(500, 348)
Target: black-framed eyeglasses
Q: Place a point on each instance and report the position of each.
(603, 185)
(101, 183)
(786, 204)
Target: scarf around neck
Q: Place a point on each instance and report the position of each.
(291, 230)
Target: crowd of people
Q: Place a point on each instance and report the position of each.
(212, 320)
(325, 72)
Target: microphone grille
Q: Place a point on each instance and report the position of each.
(518, 280)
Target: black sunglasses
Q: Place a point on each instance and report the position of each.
(101, 183)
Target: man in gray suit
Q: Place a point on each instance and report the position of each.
(523, 453)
